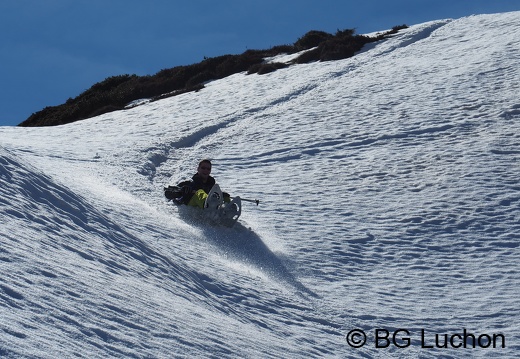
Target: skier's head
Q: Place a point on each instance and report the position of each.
(204, 169)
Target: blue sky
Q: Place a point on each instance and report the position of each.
(51, 50)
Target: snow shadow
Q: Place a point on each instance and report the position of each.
(244, 245)
(47, 209)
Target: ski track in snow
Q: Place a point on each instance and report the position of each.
(390, 199)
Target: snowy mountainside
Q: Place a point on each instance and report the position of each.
(390, 199)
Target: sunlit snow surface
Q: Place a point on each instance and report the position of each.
(390, 195)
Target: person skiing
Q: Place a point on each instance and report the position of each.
(203, 192)
(195, 192)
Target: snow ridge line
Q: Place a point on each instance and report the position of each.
(295, 152)
(85, 231)
(409, 37)
(159, 154)
(406, 134)
(194, 138)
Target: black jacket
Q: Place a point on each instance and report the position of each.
(198, 184)
(195, 184)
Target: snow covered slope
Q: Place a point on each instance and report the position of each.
(390, 200)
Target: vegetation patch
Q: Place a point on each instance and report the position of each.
(116, 92)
